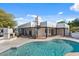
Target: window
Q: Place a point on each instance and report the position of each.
(2, 30)
(46, 30)
(49, 30)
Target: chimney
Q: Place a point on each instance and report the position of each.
(37, 21)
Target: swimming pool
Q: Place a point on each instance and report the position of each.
(56, 47)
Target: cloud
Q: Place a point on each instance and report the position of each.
(59, 20)
(70, 19)
(49, 18)
(33, 16)
(60, 13)
(75, 7)
(67, 20)
(26, 19)
(21, 20)
(30, 15)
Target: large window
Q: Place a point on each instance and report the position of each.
(2, 30)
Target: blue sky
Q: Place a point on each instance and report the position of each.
(25, 12)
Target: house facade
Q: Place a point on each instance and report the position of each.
(61, 29)
(38, 29)
(7, 33)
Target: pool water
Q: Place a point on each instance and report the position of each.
(57, 47)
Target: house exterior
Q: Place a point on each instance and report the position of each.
(61, 29)
(38, 29)
(6, 33)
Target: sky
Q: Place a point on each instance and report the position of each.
(52, 12)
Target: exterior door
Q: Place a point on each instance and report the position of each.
(30, 33)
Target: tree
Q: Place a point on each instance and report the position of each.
(6, 19)
(74, 25)
(61, 22)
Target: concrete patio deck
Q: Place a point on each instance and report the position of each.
(16, 42)
(72, 54)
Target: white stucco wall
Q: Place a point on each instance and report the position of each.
(7, 32)
(62, 25)
(66, 31)
(43, 24)
(46, 24)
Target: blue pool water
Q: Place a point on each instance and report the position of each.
(48, 48)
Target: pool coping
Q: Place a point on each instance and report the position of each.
(51, 38)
